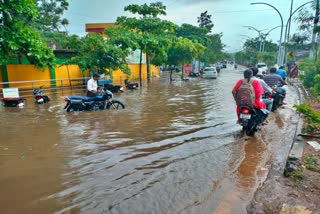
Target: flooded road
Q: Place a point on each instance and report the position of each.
(176, 148)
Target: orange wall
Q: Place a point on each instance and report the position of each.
(119, 76)
(66, 72)
(43, 77)
(28, 73)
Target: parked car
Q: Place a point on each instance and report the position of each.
(262, 67)
(210, 72)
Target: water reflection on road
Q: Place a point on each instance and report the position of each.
(174, 149)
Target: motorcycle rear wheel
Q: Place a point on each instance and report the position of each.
(251, 127)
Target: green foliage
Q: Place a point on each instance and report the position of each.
(183, 51)
(19, 38)
(312, 117)
(153, 35)
(268, 57)
(194, 33)
(205, 21)
(311, 76)
(297, 174)
(254, 44)
(213, 51)
(311, 163)
(153, 9)
(97, 54)
(50, 14)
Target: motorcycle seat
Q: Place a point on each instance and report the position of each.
(87, 99)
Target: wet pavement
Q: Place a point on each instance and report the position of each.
(175, 149)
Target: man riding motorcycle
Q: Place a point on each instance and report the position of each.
(258, 91)
(267, 89)
(275, 80)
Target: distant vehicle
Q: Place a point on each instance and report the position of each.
(224, 65)
(210, 72)
(262, 67)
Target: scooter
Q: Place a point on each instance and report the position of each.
(100, 102)
(40, 97)
(250, 119)
(131, 85)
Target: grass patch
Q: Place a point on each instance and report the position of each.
(311, 163)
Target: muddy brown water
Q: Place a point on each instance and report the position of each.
(175, 149)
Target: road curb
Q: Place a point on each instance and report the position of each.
(297, 146)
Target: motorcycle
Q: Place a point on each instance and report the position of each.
(277, 96)
(131, 85)
(113, 88)
(13, 102)
(100, 102)
(251, 118)
(194, 74)
(40, 97)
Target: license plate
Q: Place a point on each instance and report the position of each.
(245, 116)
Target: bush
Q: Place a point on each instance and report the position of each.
(312, 117)
(311, 76)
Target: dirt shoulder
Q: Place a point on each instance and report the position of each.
(299, 193)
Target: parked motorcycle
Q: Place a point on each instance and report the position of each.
(250, 119)
(40, 97)
(13, 102)
(131, 85)
(100, 102)
(113, 88)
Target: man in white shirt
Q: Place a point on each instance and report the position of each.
(92, 85)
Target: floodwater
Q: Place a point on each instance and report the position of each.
(175, 149)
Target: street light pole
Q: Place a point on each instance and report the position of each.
(266, 34)
(259, 32)
(287, 32)
(280, 60)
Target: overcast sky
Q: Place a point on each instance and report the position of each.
(228, 16)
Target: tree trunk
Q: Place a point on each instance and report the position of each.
(182, 71)
(171, 75)
(148, 68)
(140, 68)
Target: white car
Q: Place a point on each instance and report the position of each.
(210, 72)
(262, 67)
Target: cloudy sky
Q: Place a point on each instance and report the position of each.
(228, 16)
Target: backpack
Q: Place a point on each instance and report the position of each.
(245, 95)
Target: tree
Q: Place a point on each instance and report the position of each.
(19, 39)
(193, 33)
(308, 25)
(149, 26)
(254, 44)
(97, 54)
(205, 21)
(183, 50)
(214, 46)
(50, 14)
